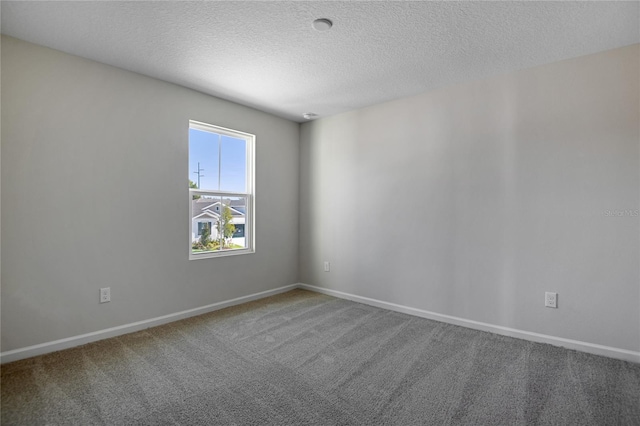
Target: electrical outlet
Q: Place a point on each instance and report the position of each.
(327, 266)
(550, 299)
(105, 295)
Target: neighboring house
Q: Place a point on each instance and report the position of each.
(205, 211)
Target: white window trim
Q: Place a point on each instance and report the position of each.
(250, 222)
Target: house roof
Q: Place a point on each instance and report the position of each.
(206, 207)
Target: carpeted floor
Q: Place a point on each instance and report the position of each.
(302, 358)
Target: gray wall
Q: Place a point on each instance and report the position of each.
(468, 201)
(474, 200)
(94, 194)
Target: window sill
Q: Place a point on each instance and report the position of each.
(214, 254)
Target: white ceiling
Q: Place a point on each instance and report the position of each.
(267, 55)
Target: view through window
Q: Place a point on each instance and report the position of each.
(220, 191)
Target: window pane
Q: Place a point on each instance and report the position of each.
(233, 164)
(233, 223)
(205, 214)
(204, 159)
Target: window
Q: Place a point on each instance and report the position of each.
(203, 225)
(220, 191)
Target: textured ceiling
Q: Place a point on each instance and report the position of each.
(268, 56)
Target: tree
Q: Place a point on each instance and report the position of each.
(225, 226)
(205, 237)
(192, 185)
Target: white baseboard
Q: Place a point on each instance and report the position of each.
(592, 348)
(70, 342)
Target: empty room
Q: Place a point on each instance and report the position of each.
(320, 213)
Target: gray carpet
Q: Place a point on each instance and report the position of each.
(302, 358)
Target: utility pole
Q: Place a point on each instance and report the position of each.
(199, 173)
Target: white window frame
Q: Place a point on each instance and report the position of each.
(249, 227)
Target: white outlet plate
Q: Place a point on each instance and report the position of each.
(327, 266)
(550, 299)
(105, 295)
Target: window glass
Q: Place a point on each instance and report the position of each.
(220, 187)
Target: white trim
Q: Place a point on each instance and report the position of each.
(592, 348)
(217, 193)
(219, 253)
(211, 128)
(83, 339)
(70, 342)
